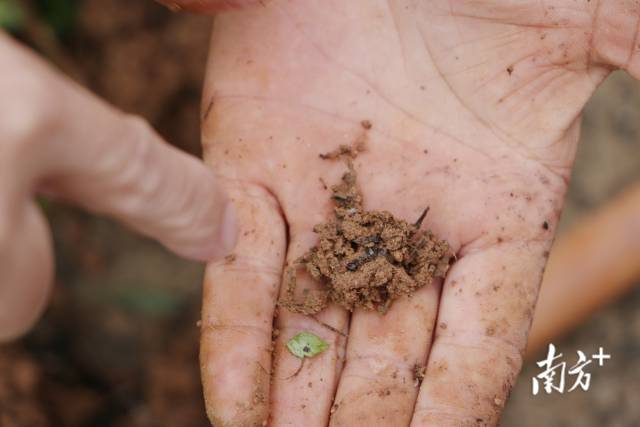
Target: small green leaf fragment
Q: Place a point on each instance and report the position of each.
(306, 344)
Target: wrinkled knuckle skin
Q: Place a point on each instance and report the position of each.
(136, 154)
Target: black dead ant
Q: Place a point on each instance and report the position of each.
(369, 254)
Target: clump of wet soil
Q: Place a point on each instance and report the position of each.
(364, 259)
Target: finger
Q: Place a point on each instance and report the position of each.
(378, 385)
(130, 174)
(484, 316)
(614, 38)
(304, 396)
(210, 6)
(237, 313)
(25, 260)
(81, 149)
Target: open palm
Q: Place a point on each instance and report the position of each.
(475, 110)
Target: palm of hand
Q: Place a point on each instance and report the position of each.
(475, 113)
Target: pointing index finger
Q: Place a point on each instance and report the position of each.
(81, 149)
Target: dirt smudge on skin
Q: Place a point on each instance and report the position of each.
(250, 414)
(419, 373)
(207, 110)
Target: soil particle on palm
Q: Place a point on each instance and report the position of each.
(419, 373)
(345, 151)
(364, 259)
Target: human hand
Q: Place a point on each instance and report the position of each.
(58, 139)
(475, 107)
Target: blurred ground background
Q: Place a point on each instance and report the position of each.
(608, 161)
(118, 345)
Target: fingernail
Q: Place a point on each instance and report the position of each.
(228, 229)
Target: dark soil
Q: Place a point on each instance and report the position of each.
(365, 259)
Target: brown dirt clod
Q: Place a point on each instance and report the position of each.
(419, 373)
(364, 259)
